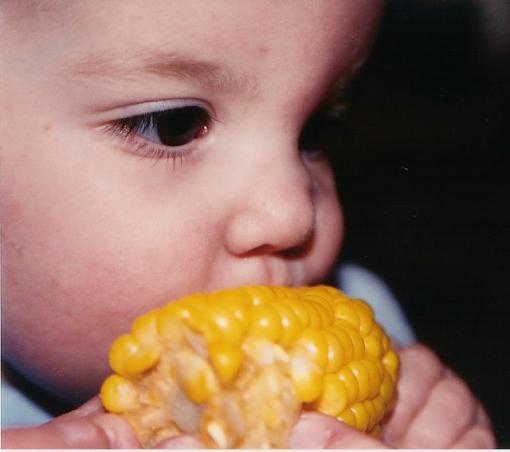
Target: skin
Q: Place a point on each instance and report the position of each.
(94, 233)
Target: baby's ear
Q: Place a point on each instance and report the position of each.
(319, 431)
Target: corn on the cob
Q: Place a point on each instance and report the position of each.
(237, 366)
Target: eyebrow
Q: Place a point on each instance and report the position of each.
(206, 73)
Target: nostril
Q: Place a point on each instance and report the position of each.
(290, 253)
(293, 253)
(297, 252)
(259, 250)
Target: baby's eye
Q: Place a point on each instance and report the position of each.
(172, 127)
(322, 132)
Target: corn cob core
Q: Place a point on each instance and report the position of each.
(236, 367)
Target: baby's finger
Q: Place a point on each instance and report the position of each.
(180, 442)
(420, 371)
(93, 406)
(448, 414)
(477, 437)
(74, 431)
(318, 431)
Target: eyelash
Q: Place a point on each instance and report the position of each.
(318, 135)
(193, 121)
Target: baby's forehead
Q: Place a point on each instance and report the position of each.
(223, 42)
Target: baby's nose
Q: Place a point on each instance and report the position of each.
(277, 212)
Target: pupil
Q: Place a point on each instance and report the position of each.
(179, 126)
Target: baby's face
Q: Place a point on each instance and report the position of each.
(152, 149)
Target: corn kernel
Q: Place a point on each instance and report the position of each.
(307, 379)
(291, 324)
(144, 329)
(373, 346)
(199, 381)
(301, 312)
(266, 323)
(343, 337)
(236, 366)
(224, 326)
(333, 399)
(118, 394)
(365, 315)
(361, 416)
(362, 378)
(348, 417)
(336, 355)
(128, 357)
(314, 344)
(226, 360)
(390, 361)
(345, 311)
(351, 383)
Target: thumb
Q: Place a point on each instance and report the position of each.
(180, 442)
(88, 427)
(319, 431)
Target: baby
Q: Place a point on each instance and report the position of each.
(151, 149)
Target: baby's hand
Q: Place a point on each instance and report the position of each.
(435, 409)
(88, 427)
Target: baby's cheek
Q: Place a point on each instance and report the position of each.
(71, 287)
(329, 227)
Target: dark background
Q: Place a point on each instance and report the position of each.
(423, 175)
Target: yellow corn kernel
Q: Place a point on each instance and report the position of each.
(387, 389)
(259, 294)
(144, 329)
(336, 354)
(291, 325)
(129, 357)
(373, 346)
(351, 383)
(345, 311)
(198, 381)
(379, 408)
(265, 323)
(170, 319)
(346, 342)
(314, 317)
(360, 414)
(240, 308)
(224, 326)
(333, 399)
(375, 373)
(371, 414)
(301, 312)
(226, 360)
(118, 394)
(313, 343)
(307, 379)
(236, 366)
(391, 362)
(365, 315)
(358, 345)
(362, 378)
(326, 314)
(348, 417)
